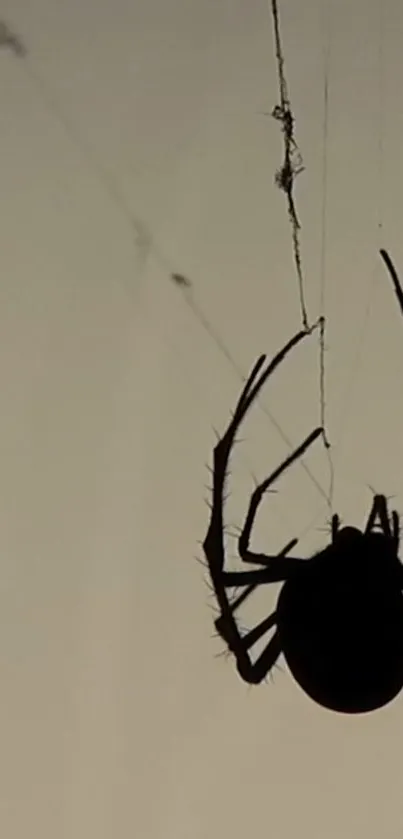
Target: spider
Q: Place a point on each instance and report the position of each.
(339, 616)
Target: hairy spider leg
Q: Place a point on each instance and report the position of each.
(379, 511)
(213, 544)
(274, 564)
(277, 568)
(251, 580)
(237, 644)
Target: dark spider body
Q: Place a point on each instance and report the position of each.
(340, 621)
(339, 615)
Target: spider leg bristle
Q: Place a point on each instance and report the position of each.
(234, 596)
(238, 440)
(326, 529)
(223, 654)
(216, 434)
(237, 529)
(387, 497)
(233, 413)
(227, 531)
(207, 583)
(202, 561)
(328, 525)
(271, 677)
(209, 586)
(232, 602)
(254, 479)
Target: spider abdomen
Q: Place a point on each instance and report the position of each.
(340, 621)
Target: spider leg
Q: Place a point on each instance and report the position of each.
(277, 564)
(213, 544)
(250, 638)
(396, 529)
(394, 277)
(255, 672)
(273, 572)
(335, 526)
(380, 510)
(251, 672)
(399, 294)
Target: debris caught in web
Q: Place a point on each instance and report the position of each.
(181, 280)
(10, 40)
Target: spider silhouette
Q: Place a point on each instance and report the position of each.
(339, 615)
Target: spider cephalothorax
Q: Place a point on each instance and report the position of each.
(339, 615)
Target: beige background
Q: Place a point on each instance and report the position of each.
(133, 143)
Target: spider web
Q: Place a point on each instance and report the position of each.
(144, 239)
(379, 119)
(284, 178)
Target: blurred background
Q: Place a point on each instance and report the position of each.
(136, 141)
